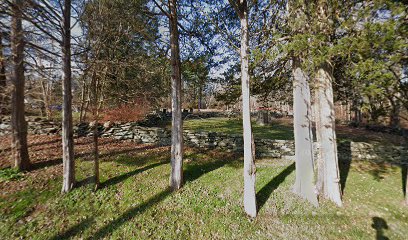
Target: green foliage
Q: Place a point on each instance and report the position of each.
(123, 56)
(9, 174)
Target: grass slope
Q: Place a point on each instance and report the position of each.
(234, 126)
(134, 202)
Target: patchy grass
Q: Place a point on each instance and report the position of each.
(134, 201)
(276, 130)
(282, 129)
(8, 174)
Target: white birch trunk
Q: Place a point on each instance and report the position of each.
(176, 177)
(302, 111)
(325, 127)
(67, 128)
(249, 161)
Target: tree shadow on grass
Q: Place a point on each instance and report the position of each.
(344, 148)
(74, 230)
(379, 225)
(121, 178)
(89, 156)
(191, 173)
(263, 194)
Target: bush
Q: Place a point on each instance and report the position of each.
(127, 112)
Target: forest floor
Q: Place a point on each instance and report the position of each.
(134, 201)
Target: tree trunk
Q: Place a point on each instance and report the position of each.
(395, 112)
(329, 175)
(95, 128)
(302, 112)
(18, 122)
(249, 158)
(3, 78)
(67, 130)
(176, 178)
(81, 114)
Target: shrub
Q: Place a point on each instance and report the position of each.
(126, 112)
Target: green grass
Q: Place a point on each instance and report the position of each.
(234, 126)
(134, 202)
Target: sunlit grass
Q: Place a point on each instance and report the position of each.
(134, 202)
(274, 130)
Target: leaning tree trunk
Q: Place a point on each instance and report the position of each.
(328, 168)
(249, 158)
(67, 129)
(302, 113)
(18, 123)
(176, 178)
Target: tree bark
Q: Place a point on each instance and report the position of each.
(302, 112)
(67, 128)
(328, 174)
(95, 129)
(18, 122)
(249, 156)
(3, 78)
(176, 178)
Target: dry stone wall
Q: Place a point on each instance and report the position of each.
(213, 140)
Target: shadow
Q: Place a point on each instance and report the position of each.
(379, 225)
(191, 173)
(404, 172)
(130, 214)
(121, 178)
(45, 143)
(85, 181)
(344, 150)
(44, 164)
(53, 162)
(263, 194)
(404, 165)
(74, 230)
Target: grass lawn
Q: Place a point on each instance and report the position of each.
(134, 201)
(276, 130)
(282, 129)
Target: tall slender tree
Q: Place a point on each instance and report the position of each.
(241, 8)
(176, 178)
(67, 128)
(18, 123)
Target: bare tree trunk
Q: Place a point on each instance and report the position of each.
(18, 122)
(176, 178)
(95, 129)
(3, 79)
(81, 114)
(329, 175)
(249, 156)
(302, 113)
(67, 130)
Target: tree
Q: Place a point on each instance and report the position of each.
(328, 170)
(302, 124)
(67, 126)
(18, 123)
(176, 178)
(241, 8)
(302, 110)
(3, 79)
